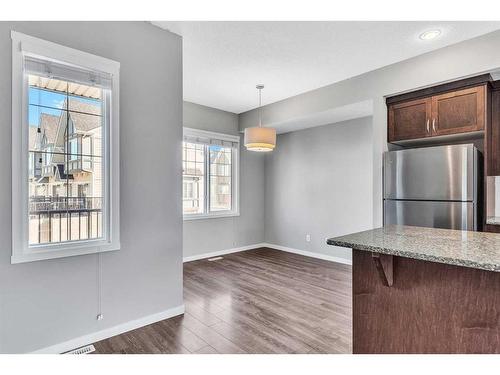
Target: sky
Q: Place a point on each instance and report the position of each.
(45, 98)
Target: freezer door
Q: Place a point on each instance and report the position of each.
(431, 173)
(446, 215)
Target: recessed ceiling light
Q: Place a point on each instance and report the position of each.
(430, 34)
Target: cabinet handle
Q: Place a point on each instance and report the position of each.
(428, 126)
(434, 125)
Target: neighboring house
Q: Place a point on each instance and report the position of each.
(67, 150)
(40, 139)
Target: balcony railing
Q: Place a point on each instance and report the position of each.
(79, 164)
(44, 204)
(59, 219)
(74, 165)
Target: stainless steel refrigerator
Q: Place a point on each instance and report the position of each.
(433, 187)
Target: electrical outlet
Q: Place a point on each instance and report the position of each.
(100, 317)
(308, 238)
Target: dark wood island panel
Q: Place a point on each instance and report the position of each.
(430, 308)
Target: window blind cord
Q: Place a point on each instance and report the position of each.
(99, 285)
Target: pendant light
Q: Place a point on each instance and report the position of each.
(260, 139)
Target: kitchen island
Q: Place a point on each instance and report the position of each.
(424, 290)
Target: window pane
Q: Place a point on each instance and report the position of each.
(193, 178)
(58, 94)
(43, 223)
(84, 135)
(46, 212)
(47, 92)
(54, 128)
(220, 178)
(65, 200)
(85, 197)
(65, 165)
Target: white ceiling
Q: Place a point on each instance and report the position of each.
(223, 61)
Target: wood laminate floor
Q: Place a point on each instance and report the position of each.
(257, 301)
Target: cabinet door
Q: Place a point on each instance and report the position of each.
(459, 111)
(409, 120)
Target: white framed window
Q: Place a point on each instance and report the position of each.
(210, 174)
(65, 194)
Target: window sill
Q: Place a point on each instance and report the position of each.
(33, 256)
(211, 216)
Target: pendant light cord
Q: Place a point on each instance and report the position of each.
(260, 87)
(260, 107)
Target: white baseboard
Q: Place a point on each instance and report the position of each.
(272, 246)
(222, 252)
(308, 253)
(109, 332)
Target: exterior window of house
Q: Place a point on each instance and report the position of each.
(73, 148)
(220, 178)
(193, 177)
(65, 201)
(188, 189)
(210, 174)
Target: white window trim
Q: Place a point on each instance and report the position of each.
(235, 172)
(21, 251)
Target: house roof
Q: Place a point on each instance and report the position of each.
(48, 127)
(32, 137)
(83, 106)
(83, 114)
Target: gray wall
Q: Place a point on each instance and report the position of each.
(318, 183)
(47, 302)
(208, 235)
(464, 59)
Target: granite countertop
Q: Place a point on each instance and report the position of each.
(461, 248)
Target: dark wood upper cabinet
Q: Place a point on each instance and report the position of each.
(459, 111)
(442, 112)
(409, 120)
